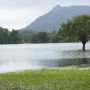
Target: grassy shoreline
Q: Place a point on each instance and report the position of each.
(47, 79)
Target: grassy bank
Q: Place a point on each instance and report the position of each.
(46, 79)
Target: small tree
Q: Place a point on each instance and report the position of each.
(78, 28)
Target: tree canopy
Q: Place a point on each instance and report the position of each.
(78, 28)
(15, 37)
(9, 37)
(4, 34)
(40, 37)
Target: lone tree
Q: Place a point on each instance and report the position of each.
(78, 28)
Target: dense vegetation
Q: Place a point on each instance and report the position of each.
(7, 37)
(73, 30)
(30, 36)
(48, 79)
(78, 28)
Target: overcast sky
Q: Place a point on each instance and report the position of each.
(16, 14)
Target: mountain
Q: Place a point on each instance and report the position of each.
(51, 21)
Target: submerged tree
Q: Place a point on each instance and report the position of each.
(78, 28)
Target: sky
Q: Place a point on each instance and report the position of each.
(17, 14)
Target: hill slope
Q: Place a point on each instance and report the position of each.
(51, 21)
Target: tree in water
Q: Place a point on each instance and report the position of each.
(78, 28)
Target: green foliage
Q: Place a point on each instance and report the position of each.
(4, 34)
(40, 37)
(30, 36)
(34, 38)
(15, 37)
(55, 38)
(78, 28)
(27, 35)
(7, 37)
(43, 37)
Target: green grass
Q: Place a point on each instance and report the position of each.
(48, 79)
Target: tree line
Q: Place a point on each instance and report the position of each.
(26, 36)
(77, 29)
(30, 36)
(9, 37)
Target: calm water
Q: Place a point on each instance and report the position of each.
(37, 56)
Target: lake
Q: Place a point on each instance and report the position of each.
(16, 57)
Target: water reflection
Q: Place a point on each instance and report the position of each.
(76, 54)
(37, 56)
(78, 61)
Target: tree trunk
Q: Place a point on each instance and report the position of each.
(84, 40)
(83, 47)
